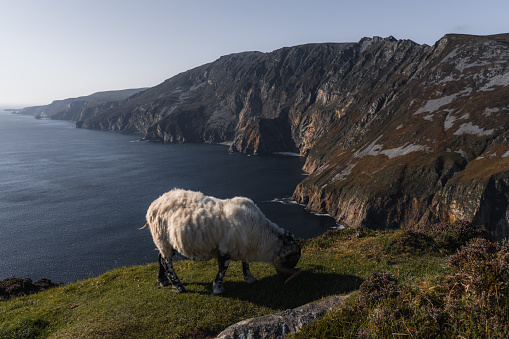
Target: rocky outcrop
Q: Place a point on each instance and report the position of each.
(281, 324)
(81, 108)
(15, 287)
(394, 133)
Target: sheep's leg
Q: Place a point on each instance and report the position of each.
(167, 265)
(162, 275)
(223, 261)
(247, 273)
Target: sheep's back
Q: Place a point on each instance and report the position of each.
(188, 222)
(201, 227)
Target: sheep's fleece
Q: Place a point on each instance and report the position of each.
(201, 228)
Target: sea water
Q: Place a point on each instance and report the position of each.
(72, 200)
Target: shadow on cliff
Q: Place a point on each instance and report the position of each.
(272, 291)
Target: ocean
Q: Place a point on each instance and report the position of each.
(72, 200)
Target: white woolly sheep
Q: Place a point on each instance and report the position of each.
(201, 228)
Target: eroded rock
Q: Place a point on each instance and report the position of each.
(281, 324)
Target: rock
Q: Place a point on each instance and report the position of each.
(281, 324)
(14, 287)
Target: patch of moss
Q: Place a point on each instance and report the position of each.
(408, 242)
(331, 238)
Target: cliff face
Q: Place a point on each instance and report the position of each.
(78, 109)
(248, 99)
(429, 144)
(394, 133)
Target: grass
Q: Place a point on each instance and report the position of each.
(128, 302)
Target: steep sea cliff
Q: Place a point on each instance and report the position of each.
(394, 133)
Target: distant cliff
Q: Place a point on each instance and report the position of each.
(394, 133)
(81, 108)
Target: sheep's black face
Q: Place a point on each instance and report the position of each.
(291, 260)
(286, 263)
(292, 250)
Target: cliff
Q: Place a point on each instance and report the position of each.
(428, 145)
(81, 108)
(394, 133)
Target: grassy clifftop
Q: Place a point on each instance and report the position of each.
(128, 302)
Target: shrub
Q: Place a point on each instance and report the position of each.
(449, 237)
(378, 286)
(481, 284)
(474, 254)
(14, 287)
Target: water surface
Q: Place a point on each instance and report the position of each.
(72, 200)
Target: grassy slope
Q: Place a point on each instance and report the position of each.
(128, 302)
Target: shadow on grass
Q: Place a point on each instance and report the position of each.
(272, 291)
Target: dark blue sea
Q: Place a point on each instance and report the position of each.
(72, 200)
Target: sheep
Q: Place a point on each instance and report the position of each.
(201, 227)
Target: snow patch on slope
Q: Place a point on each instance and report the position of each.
(403, 150)
(374, 149)
(498, 80)
(434, 105)
(470, 128)
(449, 120)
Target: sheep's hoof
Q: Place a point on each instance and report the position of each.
(250, 279)
(164, 283)
(179, 288)
(217, 288)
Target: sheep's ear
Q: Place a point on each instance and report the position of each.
(288, 234)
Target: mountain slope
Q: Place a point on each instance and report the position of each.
(394, 133)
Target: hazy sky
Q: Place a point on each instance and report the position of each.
(57, 49)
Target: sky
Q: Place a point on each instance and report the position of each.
(58, 49)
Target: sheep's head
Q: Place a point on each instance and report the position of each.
(287, 256)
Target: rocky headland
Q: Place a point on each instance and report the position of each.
(394, 133)
(81, 108)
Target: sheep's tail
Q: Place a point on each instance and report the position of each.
(143, 226)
